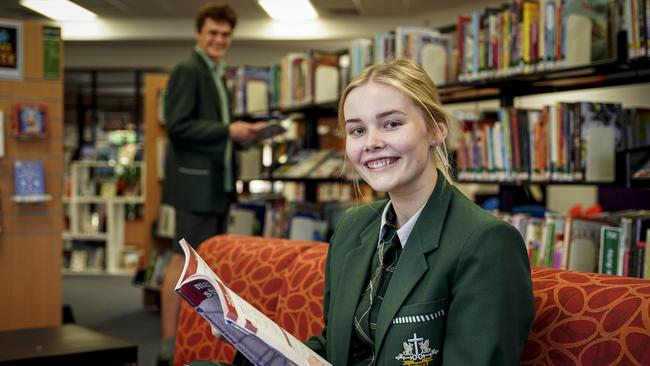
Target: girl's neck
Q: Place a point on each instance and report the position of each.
(406, 204)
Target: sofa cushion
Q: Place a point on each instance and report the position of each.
(300, 306)
(588, 319)
(254, 268)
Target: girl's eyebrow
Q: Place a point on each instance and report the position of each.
(378, 116)
(388, 113)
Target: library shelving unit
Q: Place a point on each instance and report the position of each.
(615, 72)
(96, 213)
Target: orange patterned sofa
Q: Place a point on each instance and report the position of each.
(581, 318)
(283, 278)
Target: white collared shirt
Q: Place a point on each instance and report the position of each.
(403, 232)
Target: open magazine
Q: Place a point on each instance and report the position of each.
(257, 337)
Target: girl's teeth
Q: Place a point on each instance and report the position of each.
(376, 164)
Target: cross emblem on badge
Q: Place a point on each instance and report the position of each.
(417, 352)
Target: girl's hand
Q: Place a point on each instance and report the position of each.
(313, 361)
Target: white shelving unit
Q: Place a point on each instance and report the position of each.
(85, 224)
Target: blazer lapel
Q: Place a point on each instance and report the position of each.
(350, 287)
(207, 75)
(412, 264)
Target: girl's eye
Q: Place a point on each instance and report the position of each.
(392, 124)
(356, 131)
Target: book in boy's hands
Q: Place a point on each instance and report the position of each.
(271, 129)
(257, 337)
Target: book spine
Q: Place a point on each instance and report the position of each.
(646, 270)
(627, 240)
(549, 242)
(647, 27)
(507, 39)
(639, 264)
(609, 250)
(643, 35)
(514, 139)
(559, 32)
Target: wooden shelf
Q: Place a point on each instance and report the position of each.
(32, 198)
(127, 273)
(299, 179)
(105, 200)
(595, 75)
(535, 182)
(85, 236)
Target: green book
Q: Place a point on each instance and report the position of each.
(609, 250)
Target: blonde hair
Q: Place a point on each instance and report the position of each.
(409, 78)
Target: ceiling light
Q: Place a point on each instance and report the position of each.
(61, 10)
(289, 9)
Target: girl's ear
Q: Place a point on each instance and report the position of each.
(443, 131)
(440, 134)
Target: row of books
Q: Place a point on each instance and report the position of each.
(312, 164)
(273, 216)
(84, 258)
(285, 160)
(609, 243)
(533, 35)
(426, 46)
(300, 78)
(521, 36)
(153, 274)
(562, 142)
(255, 89)
(90, 256)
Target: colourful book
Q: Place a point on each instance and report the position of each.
(29, 179)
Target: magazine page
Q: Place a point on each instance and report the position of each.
(256, 336)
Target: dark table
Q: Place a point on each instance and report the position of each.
(67, 345)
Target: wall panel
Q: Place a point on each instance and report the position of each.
(30, 241)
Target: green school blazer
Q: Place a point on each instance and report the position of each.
(197, 140)
(461, 293)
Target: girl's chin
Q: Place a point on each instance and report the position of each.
(378, 184)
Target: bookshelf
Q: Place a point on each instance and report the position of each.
(530, 76)
(614, 73)
(95, 211)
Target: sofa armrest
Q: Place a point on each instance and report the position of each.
(588, 319)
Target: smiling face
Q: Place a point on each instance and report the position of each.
(214, 38)
(387, 141)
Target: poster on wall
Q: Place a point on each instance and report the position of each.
(51, 53)
(11, 49)
(30, 119)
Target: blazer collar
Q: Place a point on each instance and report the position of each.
(412, 264)
(353, 277)
(219, 67)
(207, 75)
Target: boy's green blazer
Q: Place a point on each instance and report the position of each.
(461, 293)
(197, 140)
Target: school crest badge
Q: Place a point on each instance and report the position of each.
(417, 352)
